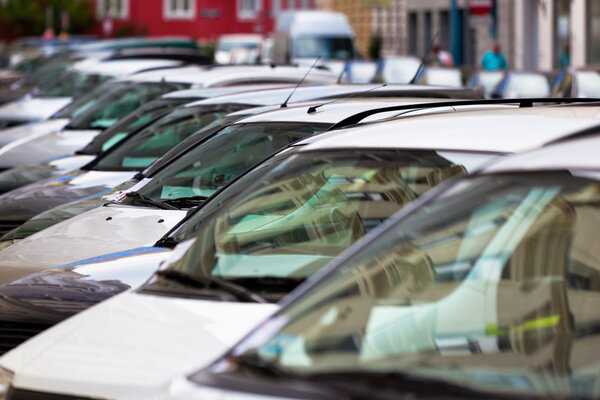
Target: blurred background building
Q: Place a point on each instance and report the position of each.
(533, 34)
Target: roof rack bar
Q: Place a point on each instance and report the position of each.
(525, 102)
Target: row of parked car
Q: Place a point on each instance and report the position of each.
(190, 231)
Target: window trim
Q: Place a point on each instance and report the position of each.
(245, 15)
(115, 14)
(179, 14)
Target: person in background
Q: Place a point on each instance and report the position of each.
(439, 57)
(494, 59)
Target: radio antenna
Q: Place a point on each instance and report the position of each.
(313, 109)
(284, 105)
(414, 78)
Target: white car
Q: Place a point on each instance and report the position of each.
(86, 119)
(12, 218)
(271, 229)
(486, 290)
(82, 77)
(215, 158)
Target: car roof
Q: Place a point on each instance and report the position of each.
(222, 91)
(122, 67)
(359, 91)
(235, 74)
(327, 114)
(498, 131)
(575, 154)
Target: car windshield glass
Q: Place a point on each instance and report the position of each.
(228, 46)
(527, 85)
(103, 112)
(71, 84)
(307, 209)
(152, 142)
(588, 84)
(129, 124)
(325, 47)
(399, 70)
(191, 141)
(47, 73)
(203, 170)
(494, 285)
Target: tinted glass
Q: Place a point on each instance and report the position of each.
(324, 47)
(494, 285)
(201, 172)
(152, 142)
(306, 210)
(103, 112)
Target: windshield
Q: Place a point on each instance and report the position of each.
(492, 285)
(230, 45)
(129, 124)
(47, 73)
(306, 210)
(152, 142)
(203, 170)
(328, 48)
(113, 102)
(588, 84)
(71, 84)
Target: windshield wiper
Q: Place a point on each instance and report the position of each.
(238, 291)
(271, 283)
(147, 200)
(370, 383)
(187, 201)
(168, 241)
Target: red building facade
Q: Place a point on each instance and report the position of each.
(201, 19)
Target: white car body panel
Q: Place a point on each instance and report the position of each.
(33, 109)
(129, 343)
(45, 146)
(121, 233)
(34, 129)
(182, 389)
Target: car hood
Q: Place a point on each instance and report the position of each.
(33, 108)
(63, 212)
(45, 147)
(25, 202)
(32, 130)
(30, 173)
(94, 233)
(50, 296)
(130, 343)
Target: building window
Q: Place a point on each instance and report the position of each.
(248, 9)
(179, 9)
(118, 9)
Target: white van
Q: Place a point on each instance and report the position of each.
(310, 34)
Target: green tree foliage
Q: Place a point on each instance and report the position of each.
(28, 17)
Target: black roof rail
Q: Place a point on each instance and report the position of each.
(525, 102)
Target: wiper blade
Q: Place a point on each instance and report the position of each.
(269, 283)
(187, 201)
(256, 363)
(168, 241)
(238, 291)
(147, 200)
(362, 382)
